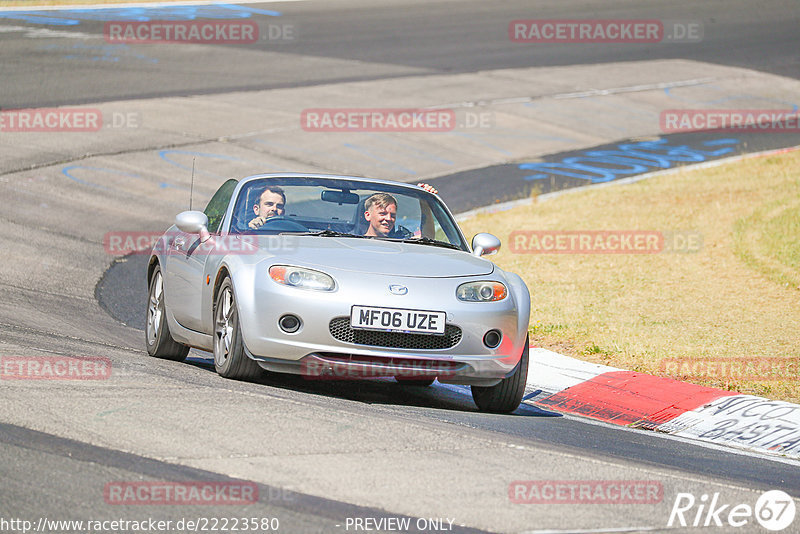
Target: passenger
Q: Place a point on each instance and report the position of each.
(381, 215)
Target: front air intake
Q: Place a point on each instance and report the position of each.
(341, 330)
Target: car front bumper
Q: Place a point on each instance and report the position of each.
(315, 351)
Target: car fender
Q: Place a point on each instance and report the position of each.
(242, 272)
(522, 297)
(158, 252)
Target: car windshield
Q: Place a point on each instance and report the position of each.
(329, 207)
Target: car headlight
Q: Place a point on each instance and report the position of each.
(481, 292)
(302, 278)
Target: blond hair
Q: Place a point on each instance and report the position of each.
(381, 200)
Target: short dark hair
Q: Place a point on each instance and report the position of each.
(272, 189)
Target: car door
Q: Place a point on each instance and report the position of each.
(185, 278)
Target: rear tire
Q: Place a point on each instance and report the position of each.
(157, 336)
(506, 396)
(230, 360)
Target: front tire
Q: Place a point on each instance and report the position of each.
(230, 360)
(157, 336)
(506, 396)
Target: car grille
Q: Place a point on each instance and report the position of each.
(341, 330)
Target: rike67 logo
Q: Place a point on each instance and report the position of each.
(774, 510)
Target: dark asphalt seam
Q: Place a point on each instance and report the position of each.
(43, 292)
(105, 154)
(422, 72)
(56, 335)
(51, 231)
(194, 142)
(299, 503)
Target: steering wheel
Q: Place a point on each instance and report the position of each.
(281, 223)
(401, 232)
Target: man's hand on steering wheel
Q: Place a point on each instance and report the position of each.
(258, 222)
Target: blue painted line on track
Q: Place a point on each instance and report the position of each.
(68, 171)
(73, 17)
(164, 154)
(250, 10)
(628, 159)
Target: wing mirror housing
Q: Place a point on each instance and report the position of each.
(484, 244)
(193, 222)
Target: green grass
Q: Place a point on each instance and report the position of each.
(738, 296)
(768, 240)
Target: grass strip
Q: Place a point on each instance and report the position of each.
(720, 307)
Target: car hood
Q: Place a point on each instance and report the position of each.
(378, 256)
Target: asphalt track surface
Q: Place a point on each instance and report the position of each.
(414, 37)
(46, 473)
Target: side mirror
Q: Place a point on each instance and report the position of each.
(484, 244)
(193, 222)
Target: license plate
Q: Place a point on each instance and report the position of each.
(398, 320)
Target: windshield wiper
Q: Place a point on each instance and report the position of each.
(428, 241)
(325, 233)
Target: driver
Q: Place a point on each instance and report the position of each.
(271, 203)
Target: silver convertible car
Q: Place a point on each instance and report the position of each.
(338, 277)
